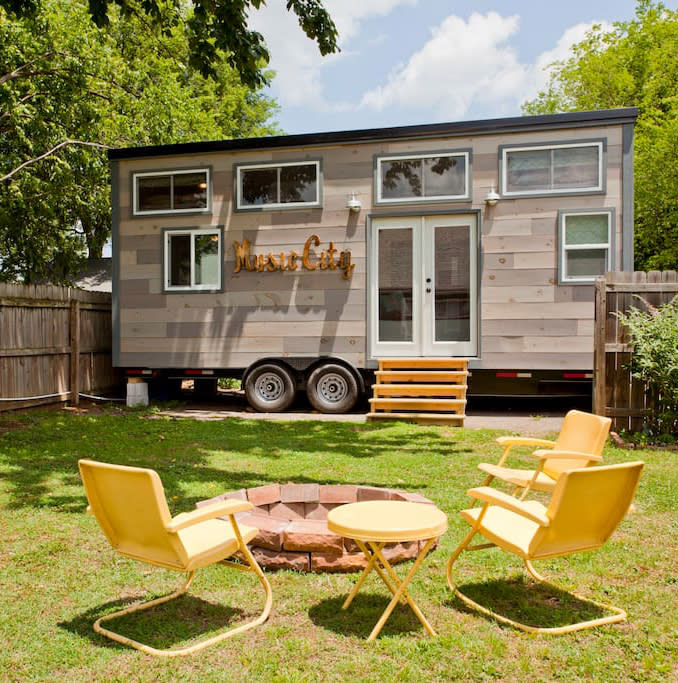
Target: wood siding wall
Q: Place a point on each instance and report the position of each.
(527, 320)
(53, 340)
(616, 394)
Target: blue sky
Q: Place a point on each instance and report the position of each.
(422, 61)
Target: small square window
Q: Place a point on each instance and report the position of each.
(172, 192)
(193, 259)
(586, 248)
(271, 186)
(423, 178)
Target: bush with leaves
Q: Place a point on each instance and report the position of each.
(653, 334)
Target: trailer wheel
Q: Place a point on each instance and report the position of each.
(270, 388)
(332, 389)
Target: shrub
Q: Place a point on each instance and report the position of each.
(654, 339)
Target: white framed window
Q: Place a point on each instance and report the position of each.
(586, 244)
(568, 168)
(438, 176)
(181, 191)
(192, 259)
(278, 186)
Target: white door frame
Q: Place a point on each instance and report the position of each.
(423, 312)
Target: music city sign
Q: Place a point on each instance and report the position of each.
(271, 262)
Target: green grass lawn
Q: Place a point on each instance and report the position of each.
(58, 574)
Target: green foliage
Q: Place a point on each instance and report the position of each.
(654, 336)
(62, 79)
(216, 30)
(636, 64)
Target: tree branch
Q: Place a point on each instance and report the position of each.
(52, 151)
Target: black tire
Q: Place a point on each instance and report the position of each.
(270, 388)
(332, 388)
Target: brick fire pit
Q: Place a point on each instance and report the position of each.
(292, 523)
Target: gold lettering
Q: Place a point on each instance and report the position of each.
(292, 260)
(323, 260)
(271, 263)
(242, 256)
(261, 263)
(330, 256)
(313, 239)
(345, 264)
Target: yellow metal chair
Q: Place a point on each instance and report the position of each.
(130, 506)
(586, 507)
(579, 444)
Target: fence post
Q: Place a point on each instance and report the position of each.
(75, 352)
(599, 342)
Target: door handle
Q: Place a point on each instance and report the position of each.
(428, 290)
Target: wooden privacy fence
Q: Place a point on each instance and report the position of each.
(55, 343)
(616, 394)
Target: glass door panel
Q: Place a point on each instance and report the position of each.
(452, 287)
(395, 285)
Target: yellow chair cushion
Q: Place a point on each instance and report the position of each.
(519, 477)
(201, 548)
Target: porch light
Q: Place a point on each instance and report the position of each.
(353, 203)
(492, 197)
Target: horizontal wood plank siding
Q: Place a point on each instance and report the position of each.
(527, 320)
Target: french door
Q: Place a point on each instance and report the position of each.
(424, 291)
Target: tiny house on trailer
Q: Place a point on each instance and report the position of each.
(297, 262)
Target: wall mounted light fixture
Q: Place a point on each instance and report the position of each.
(492, 197)
(353, 203)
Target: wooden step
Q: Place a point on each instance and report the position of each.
(452, 376)
(452, 405)
(456, 390)
(419, 418)
(449, 363)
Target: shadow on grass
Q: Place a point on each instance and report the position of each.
(163, 627)
(362, 615)
(528, 602)
(36, 458)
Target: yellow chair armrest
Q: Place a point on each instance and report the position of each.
(89, 510)
(218, 509)
(566, 455)
(525, 441)
(493, 497)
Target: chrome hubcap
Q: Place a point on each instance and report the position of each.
(269, 387)
(332, 388)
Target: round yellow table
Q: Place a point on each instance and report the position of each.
(372, 525)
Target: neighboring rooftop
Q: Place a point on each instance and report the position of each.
(480, 127)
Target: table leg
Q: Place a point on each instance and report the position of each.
(371, 564)
(402, 588)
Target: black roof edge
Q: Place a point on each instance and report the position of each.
(482, 126)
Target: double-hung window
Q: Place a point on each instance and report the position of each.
(438, 176)
(586, 244)
(278, 186)
(568, 168)
(193, 259)
(183, 191)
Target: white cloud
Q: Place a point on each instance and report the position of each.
(296, 59)
(466, 63)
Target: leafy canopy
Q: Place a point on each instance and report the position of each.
(635, 64)
(63, 79)
(216, 30)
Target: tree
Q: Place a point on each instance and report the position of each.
(216, 29)
(636, 64)
(68, 90)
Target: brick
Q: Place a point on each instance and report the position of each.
(317, 510)
(351, 546)
(272, 559)
(299, 493)
(418, 498)
(312, 535)
(287, 510)
(348, 562)
(262, 509)
(270, 530)
(340, 493)
(400, 495)
(264, 495)
(240, 494)
(400, 552)
(373, 493)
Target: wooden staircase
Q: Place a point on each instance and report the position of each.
(422, 390)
